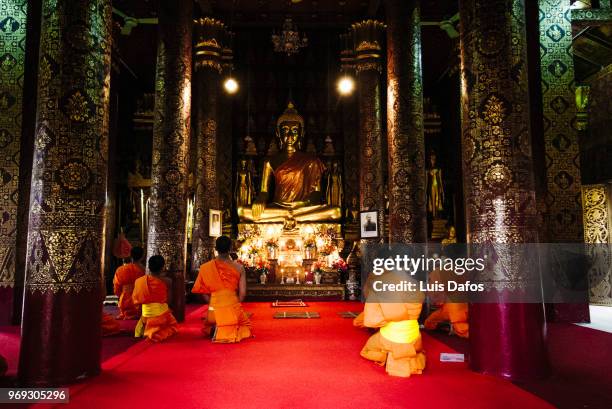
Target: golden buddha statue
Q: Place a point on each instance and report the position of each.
(297, 177)
(435, 188)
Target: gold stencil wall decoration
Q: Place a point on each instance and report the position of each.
(405, 134)
(597, 227)
(68, 193)
(12, 55)
(563, 204)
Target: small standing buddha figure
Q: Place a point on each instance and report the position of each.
(435, 189)
(297, 178)
(244, 186)
(334, 194)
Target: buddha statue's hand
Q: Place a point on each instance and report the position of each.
(259, 206)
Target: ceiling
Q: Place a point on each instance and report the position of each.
(592, 49)
(305, 12)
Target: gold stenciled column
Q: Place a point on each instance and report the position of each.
(367, 39)
(171, 134)
(208, 78)
(12, 61)
(405, 137)
(563, 216)
(61, 332)
(499, 182)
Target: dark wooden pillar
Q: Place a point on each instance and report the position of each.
(405, 138)
(506, 340)
(171, 135)
(208, 81)
(368, 39)
(60, 340)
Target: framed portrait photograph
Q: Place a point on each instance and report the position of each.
(214, 223)
(369, 224)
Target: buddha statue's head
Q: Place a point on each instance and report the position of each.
(290, 129)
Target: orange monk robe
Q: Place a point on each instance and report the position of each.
(110, 326)
(221, 279)
(397, 344)
(157, 322)
(123, 285)
(455, 313)
(358, 320)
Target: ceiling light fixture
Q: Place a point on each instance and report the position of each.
(289, 41)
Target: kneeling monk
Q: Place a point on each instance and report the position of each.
(123, 284)
(455, 313)
(157, 322)
(398, 342)
(110, 326)
(219, 280)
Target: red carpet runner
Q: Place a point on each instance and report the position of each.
(292, 363)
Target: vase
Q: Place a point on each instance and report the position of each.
(263, 278)
(317, 277)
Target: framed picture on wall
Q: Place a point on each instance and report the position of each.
(214, 223)
(369, 224)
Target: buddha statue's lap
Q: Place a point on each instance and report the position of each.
(297, 181)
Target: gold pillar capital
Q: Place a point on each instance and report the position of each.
(368, 38)
(211, 36)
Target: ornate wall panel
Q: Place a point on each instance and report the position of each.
(597, 202)
(563, 215)
(405, 137)
(12, 56)
(367, 40)
(67, 204)
(171, 133)
(208, 78)
(499, 180)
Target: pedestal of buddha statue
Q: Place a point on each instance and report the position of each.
(290, 190)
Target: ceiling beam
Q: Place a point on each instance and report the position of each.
(592, 17)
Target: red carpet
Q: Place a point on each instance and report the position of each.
(293, 363)
(582, 362)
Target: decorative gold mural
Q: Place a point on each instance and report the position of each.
(597, 227)
(12, 55)
(67, 209)
(563, 204)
